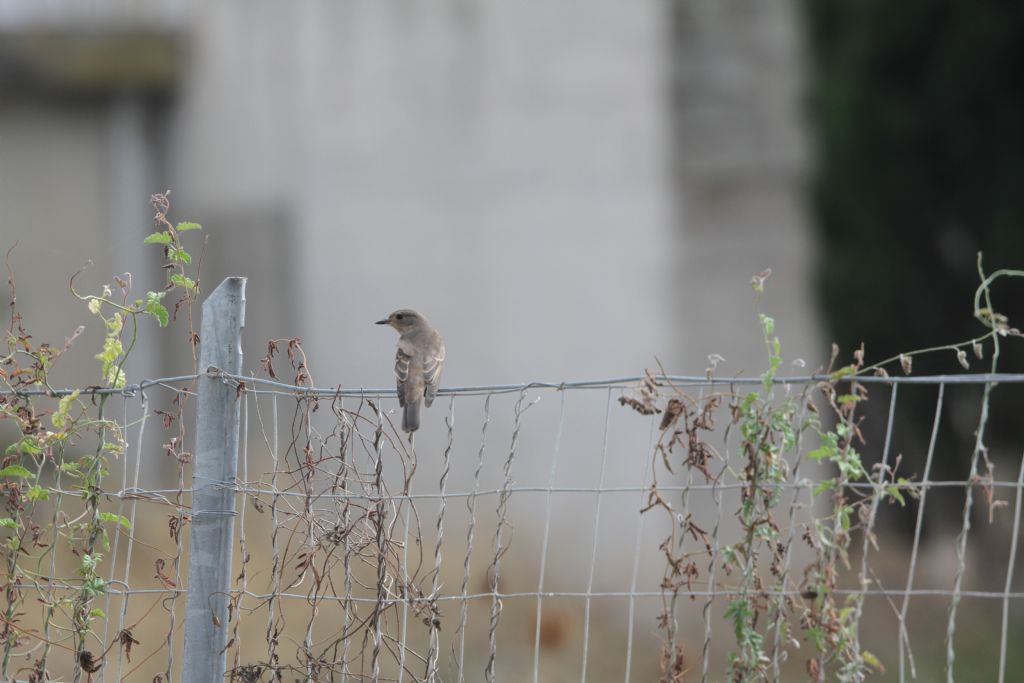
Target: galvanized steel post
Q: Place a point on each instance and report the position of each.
(213, 485)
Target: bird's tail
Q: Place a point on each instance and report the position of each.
(411, 416)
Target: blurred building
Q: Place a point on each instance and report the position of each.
(567, 189)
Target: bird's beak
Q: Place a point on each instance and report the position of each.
(382, 322)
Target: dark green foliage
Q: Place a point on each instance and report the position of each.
(918, 116)
(918, 110)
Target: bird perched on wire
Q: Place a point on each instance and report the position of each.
(418, 363)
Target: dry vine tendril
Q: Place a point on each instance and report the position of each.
(771, 608)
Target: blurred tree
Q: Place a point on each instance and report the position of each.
(918, 118)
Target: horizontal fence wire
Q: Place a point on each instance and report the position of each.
(494, 389)
(517, 537)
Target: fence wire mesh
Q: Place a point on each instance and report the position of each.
(538, 532)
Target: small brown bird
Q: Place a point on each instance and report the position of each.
(418, 363)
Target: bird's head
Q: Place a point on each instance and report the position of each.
(402, 320)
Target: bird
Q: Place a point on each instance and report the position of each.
(418, 363)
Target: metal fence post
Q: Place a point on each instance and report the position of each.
(213, 480)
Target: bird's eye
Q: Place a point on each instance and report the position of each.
(398, 317)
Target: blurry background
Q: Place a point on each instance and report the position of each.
(567, 189)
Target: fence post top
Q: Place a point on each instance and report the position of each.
(223, 310)
(229, 287)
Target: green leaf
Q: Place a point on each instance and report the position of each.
(820, 453)
(71, 468)
(844, 513)
(894, 493)
(111, 517)
(8, 523)
(158, 238)
(872, 661)
(15, 471)
(94, 586)
(817, 634)
(183, 281)
(26, 446)
(843, 372)
(114, 324)
(157, 309)
(97, 613)
(37, 493)
(188, 225)
(112, 350)
(824, 485)
(179, 255)
(89, 563)
(59, 418)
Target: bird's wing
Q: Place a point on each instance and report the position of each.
(432, 365)
(402, 362)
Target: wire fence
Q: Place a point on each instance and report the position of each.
(536, 532)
